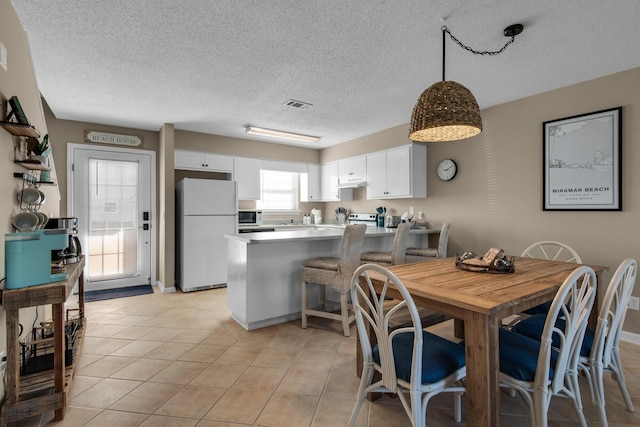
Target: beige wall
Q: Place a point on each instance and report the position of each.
(17, 80)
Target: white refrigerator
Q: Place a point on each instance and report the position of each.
(206, 210)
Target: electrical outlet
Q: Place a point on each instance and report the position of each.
(3, 362)
(634, 303)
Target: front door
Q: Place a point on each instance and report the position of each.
(112, 193)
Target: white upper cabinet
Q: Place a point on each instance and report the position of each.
(397, 173)
(310, 184)
(246, 172)
(353, 167)
(194, 160)
(329, 191)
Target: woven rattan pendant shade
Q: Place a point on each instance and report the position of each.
(446, 111)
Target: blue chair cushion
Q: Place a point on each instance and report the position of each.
(519, 356)
(440, 357)
(532, 327)
(539, 309)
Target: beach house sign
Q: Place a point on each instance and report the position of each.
(112, 138)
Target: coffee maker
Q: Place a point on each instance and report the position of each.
(73, 252)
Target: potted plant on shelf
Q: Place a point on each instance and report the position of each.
(41, 149)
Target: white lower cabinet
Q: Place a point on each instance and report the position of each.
(397, 173)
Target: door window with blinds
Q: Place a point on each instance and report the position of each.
(278, 191)
(113, 219)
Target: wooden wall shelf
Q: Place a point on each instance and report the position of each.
(19, 402)
(34, 165)
(18, 129)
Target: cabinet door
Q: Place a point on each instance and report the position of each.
(218, 163)
(310, 184)
(329, 182)
(399, 172)
(195, 160)
(184, 159)
(246, 172)
(356, 166)
(376, 175)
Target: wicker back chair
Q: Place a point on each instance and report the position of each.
(334, 272)
(426, 254)
(397, 256)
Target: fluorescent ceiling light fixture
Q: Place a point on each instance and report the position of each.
(279, 134)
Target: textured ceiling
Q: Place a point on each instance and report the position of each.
(216, 66)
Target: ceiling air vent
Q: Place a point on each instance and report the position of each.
(300, 105)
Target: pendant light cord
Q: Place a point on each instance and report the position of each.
(444, 30)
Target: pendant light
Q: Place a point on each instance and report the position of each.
(448, 111)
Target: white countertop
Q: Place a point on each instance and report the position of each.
(319, 232)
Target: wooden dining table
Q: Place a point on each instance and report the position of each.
(479, 301)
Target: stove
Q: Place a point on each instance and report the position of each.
(370, 219)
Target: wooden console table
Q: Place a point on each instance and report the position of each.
(24, 394)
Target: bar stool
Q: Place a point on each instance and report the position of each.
(395, 257)
(426, 254)
(334, 272)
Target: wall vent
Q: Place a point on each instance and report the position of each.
(300, 105)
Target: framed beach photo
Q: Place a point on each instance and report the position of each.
(581, 162)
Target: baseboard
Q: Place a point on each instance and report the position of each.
(630, 337)
(164, 290)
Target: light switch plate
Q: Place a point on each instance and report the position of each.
(3, 56)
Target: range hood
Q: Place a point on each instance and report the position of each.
(352, 181)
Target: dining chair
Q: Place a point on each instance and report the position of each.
(546, 367)
(397, 256)
(549, 250)
(425, 254)
(600, 351)
(335, 273)
(411, 362)
(553, 251)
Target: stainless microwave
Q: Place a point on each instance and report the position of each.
(249, 217)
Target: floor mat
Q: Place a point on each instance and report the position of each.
(131, 291)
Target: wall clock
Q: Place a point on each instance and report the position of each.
(447, 169)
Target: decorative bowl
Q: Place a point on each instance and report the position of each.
(25, 221)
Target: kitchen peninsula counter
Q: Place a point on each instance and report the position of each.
(263, 275)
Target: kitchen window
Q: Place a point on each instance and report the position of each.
(278, 191)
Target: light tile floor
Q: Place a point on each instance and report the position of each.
(180, 360)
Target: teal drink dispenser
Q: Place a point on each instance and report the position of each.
(28, 257)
